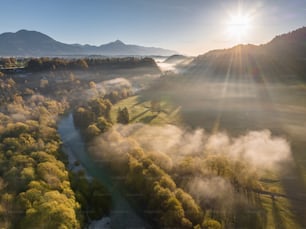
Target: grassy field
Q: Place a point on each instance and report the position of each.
(142, 112)
(278, 210)
(278, 214)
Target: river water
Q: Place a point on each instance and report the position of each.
(122, 214)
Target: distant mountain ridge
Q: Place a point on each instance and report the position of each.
(32, 43)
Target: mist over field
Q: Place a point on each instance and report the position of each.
(170, 147)
(259, 149)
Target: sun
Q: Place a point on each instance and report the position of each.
(238, 25)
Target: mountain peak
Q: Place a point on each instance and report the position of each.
(24, 31)
(118, 42)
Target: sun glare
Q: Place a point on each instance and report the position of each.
(238, 26)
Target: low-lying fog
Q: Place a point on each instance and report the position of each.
(237, 106)
(174, 66)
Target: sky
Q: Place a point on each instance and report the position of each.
(191, 27)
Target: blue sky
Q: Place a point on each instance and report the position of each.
(188, 26)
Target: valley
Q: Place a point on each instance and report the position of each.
(213, 141)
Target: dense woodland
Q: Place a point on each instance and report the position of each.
(37, 190)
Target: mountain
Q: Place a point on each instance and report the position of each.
(32, 43)
(283, 56)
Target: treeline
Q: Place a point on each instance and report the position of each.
(163, 202)
(93, 64)
(10, 62)
(232, 183)
(166, 204)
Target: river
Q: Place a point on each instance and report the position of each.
(122, 214)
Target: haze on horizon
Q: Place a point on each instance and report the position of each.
(189, 27)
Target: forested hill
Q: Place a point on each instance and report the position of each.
(283, 56)
(288, 45)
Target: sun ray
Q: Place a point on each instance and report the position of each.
(216, 125)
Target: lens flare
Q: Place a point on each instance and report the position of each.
(238, 25)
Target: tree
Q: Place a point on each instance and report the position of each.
(43, 83)
(93, 196)
(34, 65)
(113, 97)
(123, 116)
(92, 131)
(211, 224)
(192, 210)
(83, 117)
(103, 124)
(92, 85)
(82, 64)
(50, 210)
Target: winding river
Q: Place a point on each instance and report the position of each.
(122, 214)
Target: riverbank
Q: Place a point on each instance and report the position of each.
(122, 214)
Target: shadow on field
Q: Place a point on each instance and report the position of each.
(148, 119)
(140, 114)
(277, 216)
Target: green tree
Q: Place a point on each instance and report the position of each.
(192, 210)
(211, 224)
(103, 124)
(82, 64)
(123, 116)
(83, 117)
(92, 131)
(113, 97)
